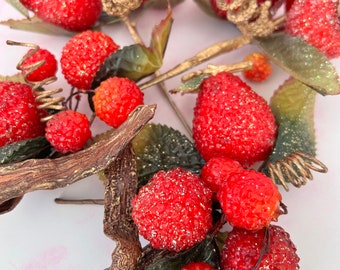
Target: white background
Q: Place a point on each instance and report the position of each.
(39, 234)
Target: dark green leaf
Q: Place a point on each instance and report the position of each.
(19, 7)
(159, 147)
(303, 61)
(206, 251)
(22, 150)
(190, 86)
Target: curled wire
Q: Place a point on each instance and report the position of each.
(295, 169)
(45, 98)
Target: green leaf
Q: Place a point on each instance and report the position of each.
(19, 151)
(159, 147)
(302, 61)
(206, 251)
(35, 24)
(137, 61)
(190, 86)
(19, 7)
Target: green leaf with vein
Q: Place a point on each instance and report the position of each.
(302, 61)
(137, 61)
(293, 107)
(19, 7)
(190, 86)
(159, 147)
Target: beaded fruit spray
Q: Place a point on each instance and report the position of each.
(176, 193)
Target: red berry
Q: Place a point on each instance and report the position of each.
(243, 248)
(220, 12)
(231, 120)
(217, 170)
(173, 211)
(68, 131)
(249, 200)
(261, 69)
(317, 23)
(19, 115)
(46, 70)
(72, 15)
(198, 266)
(82, 56)
(115, 98)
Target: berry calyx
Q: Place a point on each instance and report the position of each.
(68, 131)
(20, 116)
(261, 68)
(115, 98)
(217, 170)
(268, 248)
(232, 120)
(47, 70)
(82, 56)
(249, 200)
(198, 266)
(173, 211)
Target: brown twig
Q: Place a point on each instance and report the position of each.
(43, 174)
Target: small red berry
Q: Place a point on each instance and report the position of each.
(250, 200)
(46, 70)
(198, 266)
(317, 23)
(68, 131)
(82, 56)
(115, 98)
(173, 211)
(217, 170)
(72, 15)
(220, 12)
(19, 115)
(243, 249)
(261, 69)
(232, 120)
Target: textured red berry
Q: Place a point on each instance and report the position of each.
(46, 70)
(198, 266)
(68, 131)
(317, 23)
(217, 170)
(231, 120)
(82, 56)
(250, 200)
(220, 12)
(173, 211)
(243, 249)
(261, 69)
(19, 115)
(115, 98)
(72, 15)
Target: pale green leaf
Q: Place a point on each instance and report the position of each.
(19, 7)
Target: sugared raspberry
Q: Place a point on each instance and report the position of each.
(249, 200)
(231, 120)
(217, 170)
(243, 249)
(317, 23)
(19, 116)
(82, 56)
(198, 266)
(115, 98)
(46, 70)
(68, 131)
(173, 211)
(72, 15)
(261, 69)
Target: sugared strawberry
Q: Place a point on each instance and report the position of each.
(173, 211)
(232, 120)
(249, 200)
(317, 23)
(217, 170)
(261, 68)
(82, 56)
(68, 131)
(268, 248)
(72, 15)
(46, 70)
(115, 98)
(198, 266)
(19, 116)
